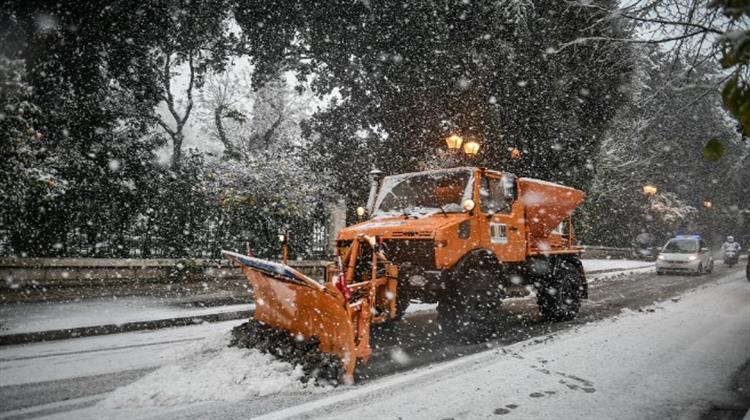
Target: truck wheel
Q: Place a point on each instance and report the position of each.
(472, 317)
(560, 298)
(471, 313)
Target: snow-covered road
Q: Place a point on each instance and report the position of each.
(98, 355)
(680, 358)
(57, 377)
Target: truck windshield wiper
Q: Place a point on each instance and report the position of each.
(445, 213)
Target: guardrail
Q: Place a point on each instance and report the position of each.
(55, 279)
(590, 251)
(44, 279)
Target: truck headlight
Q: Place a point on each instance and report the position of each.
(692, 258)
(661, 257)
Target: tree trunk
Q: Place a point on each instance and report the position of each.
(229, 151)
(177, 150)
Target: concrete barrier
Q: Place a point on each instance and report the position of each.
(606, 252)
(56, 279)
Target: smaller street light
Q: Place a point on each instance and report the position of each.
(707, 204)
(284, 240)
(650, 190)
(471, 148)
(454, 141)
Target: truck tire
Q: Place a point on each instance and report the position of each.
(559, 297)
(471, 313)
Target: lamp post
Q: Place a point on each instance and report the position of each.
(650, 190)
(284, 241)
(471, 147)
(454, 141)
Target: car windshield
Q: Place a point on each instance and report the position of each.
(681, 246)
(423, 193)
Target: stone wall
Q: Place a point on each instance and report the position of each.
(42, 279)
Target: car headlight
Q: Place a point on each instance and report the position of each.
(692, 258)
(661, 257)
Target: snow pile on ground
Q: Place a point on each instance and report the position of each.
(211, 371)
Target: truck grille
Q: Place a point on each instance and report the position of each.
(419, 252)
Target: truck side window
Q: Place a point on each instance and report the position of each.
(491, 197)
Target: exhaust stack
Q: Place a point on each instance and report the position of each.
(376, 176)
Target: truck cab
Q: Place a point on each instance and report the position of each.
(468, 228)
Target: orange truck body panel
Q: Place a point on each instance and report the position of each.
(540, 208)
(546, 205)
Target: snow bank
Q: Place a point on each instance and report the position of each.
(597, 264)
(210, 371)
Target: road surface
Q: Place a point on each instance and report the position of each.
(611, 361)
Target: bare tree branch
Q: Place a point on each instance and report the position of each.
(191, 66)
(702, 28)
(626, 40)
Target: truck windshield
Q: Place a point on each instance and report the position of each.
(681, 246)
(423, 193)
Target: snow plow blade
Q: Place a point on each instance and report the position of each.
(338, 312)
(288, 300)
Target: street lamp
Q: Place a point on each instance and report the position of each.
(454, 141)
(650, 190)
(284, 240)
(471, 148)
(515, 153)
(707, 204)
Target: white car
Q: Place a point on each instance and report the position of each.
(685, 254)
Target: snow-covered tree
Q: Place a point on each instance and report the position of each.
(651, 142)
(404, 69)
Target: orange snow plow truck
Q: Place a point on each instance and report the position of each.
(464, 238)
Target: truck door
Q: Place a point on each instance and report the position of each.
(501, 232)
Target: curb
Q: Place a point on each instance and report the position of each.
(62, 334)
(66, 333)
(615, 270)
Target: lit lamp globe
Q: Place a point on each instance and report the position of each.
(649, 190)
(454, 142)
(471, 148)
(707, 204)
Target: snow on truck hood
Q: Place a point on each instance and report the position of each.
(423, 226)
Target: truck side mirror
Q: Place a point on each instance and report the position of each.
(509, 187)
